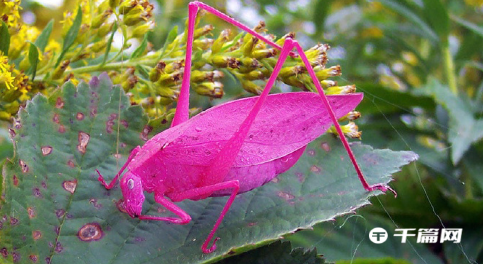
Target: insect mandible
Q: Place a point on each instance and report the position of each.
(231, 148)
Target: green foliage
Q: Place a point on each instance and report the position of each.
(52, 191)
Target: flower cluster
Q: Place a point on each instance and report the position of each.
(152, 78)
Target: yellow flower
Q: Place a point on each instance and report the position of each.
(24, 97)
(7, 79)
(5, 74)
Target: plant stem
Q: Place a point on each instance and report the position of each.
(449, 70)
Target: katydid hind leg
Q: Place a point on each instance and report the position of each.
(182, 108)
(206, 191)
(379, 186)
(129, 159)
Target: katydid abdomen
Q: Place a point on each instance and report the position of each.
(176, 160)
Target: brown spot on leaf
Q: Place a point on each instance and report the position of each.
(300, 176)
(4, 252)
(90, 232)
(285, 196)
(94, 203)
(34, 258)
(17, 124)
(120, 206)
(325, 146)
(24, 166)
(12, 133)
(71, 163)
(61, 129)
(56, 118)
(59, 103)
(59, 212)
(58, 247)
(36, 234)
(311, 152)
(70, 185)
(117, 156)
(79, 116)
(125, 123)
(252, 224)
(147, 129)
(46, 150)
(15, 180)
(15, 256)
(83, 141)
(275, 180)
(47, 260)
(315, 169)
(31, 212)
(13, 221)
(36, 192)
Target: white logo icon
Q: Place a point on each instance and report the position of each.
(378, 235)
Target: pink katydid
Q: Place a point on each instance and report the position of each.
(231, 148)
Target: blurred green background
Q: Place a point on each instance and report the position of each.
(419, 66)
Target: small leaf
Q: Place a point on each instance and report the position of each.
(438, 18)
(4, 39)
(71, 35)
(321, 10)
(469, 25)
(140, 50)
(278, 252)
(173, 33)
(413, 17)
(109, 43)
(142, 70)
(464, 129)
(33, 59)
(43, 39)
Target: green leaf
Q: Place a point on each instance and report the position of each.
(140, 50)
(278, 252)
(60, 141)
(349, 236)
(413, 17)
(71, 35)
(321, 11)
(143, 71)
(43, 39)
(33, 59)
(464, 129)
(173, 33)
(469, 25)
(109, 43)
(4, 39)
(438, 18)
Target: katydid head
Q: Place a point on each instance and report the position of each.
(132, 190)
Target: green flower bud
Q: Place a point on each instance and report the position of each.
(251, 87)
(220, 41)
(141, 30)
(170, 79)
(350, 130)
(291, 71)
(129, 83)
(264, 53)
(156, 72)
(329, 72)
(202, 44)
(174, 66)
(114, 3)
(347, 89)
(59, 71)
(211, 89)
(104, 29)
(100, 19)
(127, 5)
(202, 31)
(224, 62)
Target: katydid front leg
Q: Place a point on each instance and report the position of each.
(111, 184)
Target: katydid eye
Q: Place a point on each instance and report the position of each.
(130, 184)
